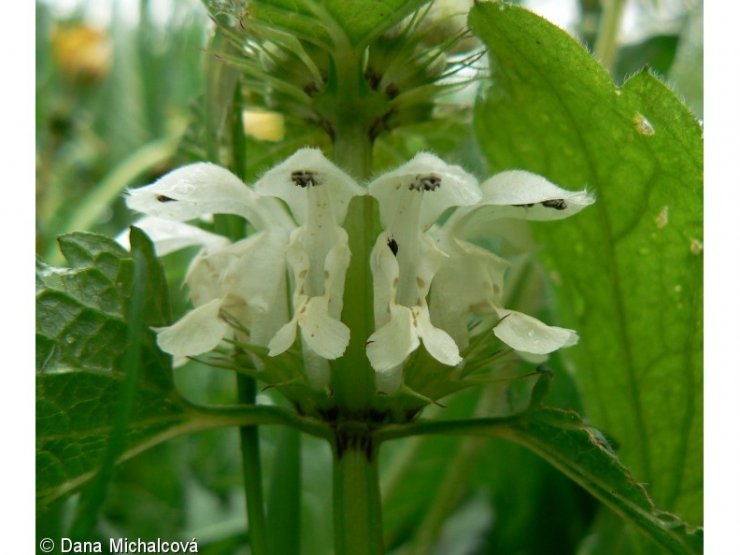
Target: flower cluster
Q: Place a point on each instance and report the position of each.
(284, 284)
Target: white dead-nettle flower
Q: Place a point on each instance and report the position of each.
(412, 258)
(428, 279)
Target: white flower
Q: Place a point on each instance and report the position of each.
(286, 280)
(318, 194)
(405, 260)
(245, 280)
(471, 278)
(413, 260)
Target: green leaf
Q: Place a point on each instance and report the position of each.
(156, 296)
(83, 337)
(75, 414)
(360, 21)
(86, 250)
(627, 270)
(582, 453)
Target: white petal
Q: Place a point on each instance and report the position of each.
(436, 341)
(522, 187)
(384, 267)
(283, 339)
(517, 189)
(308, 169)
(516, 194)
(205, 276)
(335, 271)
(258, 274)
(389, 346)
(324, 335)
(389, 381)
(524, 333)
(191, 191)
(442, 186)
(169, 236)
(199, 331)
(317, 370)
(469, 281)
(532, 358)
(203, 188)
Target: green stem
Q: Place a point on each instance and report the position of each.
(255, 415)
(606, 43)
(252, 472)
(358, 526)
(353, 379)
(284, 497)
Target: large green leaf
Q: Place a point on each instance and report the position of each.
(75, 417)
(83, 336)
(627, 271)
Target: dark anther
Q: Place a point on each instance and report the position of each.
(305, 178)
(557, 204)
(372, 78)
(163, 198)
(524, 205)
(429, 182)
(311, 89)
(393, 246)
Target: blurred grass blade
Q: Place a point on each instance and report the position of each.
(97, 201)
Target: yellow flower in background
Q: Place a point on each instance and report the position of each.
(264, 125)
(84, 54)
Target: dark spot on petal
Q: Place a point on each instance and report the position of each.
(393, 246)
(430, 182)
(306, 178)
(524, 205)
(163, 198)
(557, 204)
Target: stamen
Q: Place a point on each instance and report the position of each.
(306, 178)
(557, 204)
(163, 198)
(393, 246)
(429, 182)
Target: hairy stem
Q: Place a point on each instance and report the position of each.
(358, 527)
